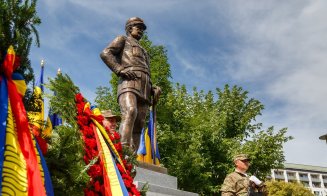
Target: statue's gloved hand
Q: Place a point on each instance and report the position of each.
(156, 91)
(130, 75)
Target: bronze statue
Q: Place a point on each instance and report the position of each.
(130, 62)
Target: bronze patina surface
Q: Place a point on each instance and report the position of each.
(130, 62)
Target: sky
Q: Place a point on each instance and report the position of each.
(276, 50)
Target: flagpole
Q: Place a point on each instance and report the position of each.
(154, 134)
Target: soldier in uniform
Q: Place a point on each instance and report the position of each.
(130, 62)
(110, 121)
(237, 183)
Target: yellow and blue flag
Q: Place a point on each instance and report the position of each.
(148, 151)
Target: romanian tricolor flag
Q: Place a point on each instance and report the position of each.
(148, 151)
(22, 167)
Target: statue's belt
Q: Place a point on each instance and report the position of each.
(137, 68)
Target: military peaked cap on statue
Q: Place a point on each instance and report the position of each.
(241, 157)
(135, 21)
(109, 114)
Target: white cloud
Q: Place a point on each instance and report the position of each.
(283, 48)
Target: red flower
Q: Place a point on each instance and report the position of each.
(97, 186)
(98, 118)
(118, 147)
(95, 171)
(94, 152)
(128, 183)
(82, 120)
(86, 159)
(87, 112)
(79, 98)
(120, 168)
(111, 137)
(87, 132)
(80, 107)
(90, 143)
(129, 166)
(88, 192)
(135, 191)
(116, 135)
(102, 190)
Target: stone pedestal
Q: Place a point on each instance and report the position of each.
(159, 182)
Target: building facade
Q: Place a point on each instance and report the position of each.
(313, 177)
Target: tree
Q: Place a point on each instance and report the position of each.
(65, 154)
(199, 140)
(280, 188)
(105, 99)
(18, 21)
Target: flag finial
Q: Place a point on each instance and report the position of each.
(42, 63)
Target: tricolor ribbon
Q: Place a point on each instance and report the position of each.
(34, 179)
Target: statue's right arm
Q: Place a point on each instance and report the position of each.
(111, 54)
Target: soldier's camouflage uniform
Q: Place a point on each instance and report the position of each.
(235, 184)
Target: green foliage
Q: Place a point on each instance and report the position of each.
(65, 154)
(198, 141)
(265, 150)
(280, 188)
(159, 66)
(18, 21)
(106, 99)
(17, 26)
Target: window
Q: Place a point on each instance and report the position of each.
(304, 177)
(316, 184)
(315, 178)
(324, 178)
(291, 176)
(279, 174)
(306, 184)
(317, 193)
(290, 173)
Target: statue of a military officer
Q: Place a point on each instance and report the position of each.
(130, 62)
